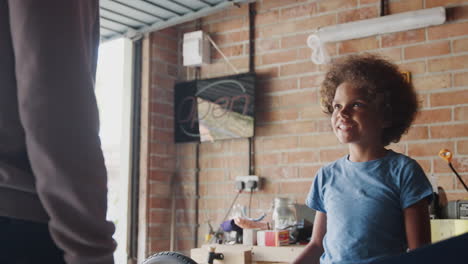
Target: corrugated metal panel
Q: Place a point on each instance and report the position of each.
(130, 17)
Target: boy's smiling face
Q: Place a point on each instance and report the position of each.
(356, 119)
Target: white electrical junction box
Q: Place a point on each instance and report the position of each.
(195, 49)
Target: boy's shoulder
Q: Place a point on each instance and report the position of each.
(335, 164)
(392, 157)
(400, 158)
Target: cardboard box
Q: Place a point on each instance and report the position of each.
(442, 229)
(261, 238)
(273, 238)
(250, 237)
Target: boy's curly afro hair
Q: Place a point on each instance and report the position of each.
(377, 76)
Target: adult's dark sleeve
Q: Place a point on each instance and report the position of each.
(55, 46)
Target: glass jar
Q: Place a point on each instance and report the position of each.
(284, 214)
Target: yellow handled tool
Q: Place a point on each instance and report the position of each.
(447, 156)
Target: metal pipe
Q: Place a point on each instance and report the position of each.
(173, 214)
(197, 194)
(135, 151)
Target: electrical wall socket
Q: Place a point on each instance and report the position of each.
(247, 179)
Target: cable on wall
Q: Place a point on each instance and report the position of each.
(197, 192)
(197, 165)
(383, 7)
(252, 14)
(222, 54)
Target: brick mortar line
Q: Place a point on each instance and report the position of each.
(454, 72)
(455, 122)
(156, 114)
(439, 91)
(452, 107)
(443, 90)
(158, 169)
(291, 91)
(415, 141)
(161, 155)
(429, 58)
(163, 102)
(434, 140)
(402, 47)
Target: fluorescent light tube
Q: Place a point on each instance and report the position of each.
(370, 27)
(382, 25)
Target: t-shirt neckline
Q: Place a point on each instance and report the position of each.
(370, 162)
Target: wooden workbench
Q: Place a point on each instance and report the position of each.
(242, 254)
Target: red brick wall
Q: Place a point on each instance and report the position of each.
(161, 159)
(293, 138)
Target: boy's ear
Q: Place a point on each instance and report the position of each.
(387, 116)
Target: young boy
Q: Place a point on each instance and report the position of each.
(373, 202)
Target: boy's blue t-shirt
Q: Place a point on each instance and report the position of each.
(364, 203)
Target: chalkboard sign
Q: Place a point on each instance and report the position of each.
(215, 109)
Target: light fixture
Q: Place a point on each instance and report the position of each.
(374, 26)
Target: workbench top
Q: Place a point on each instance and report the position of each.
(244, 254)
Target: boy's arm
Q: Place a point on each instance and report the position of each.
(314, 249)
(417, 224)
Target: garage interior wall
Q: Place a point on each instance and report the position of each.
(293, 138)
